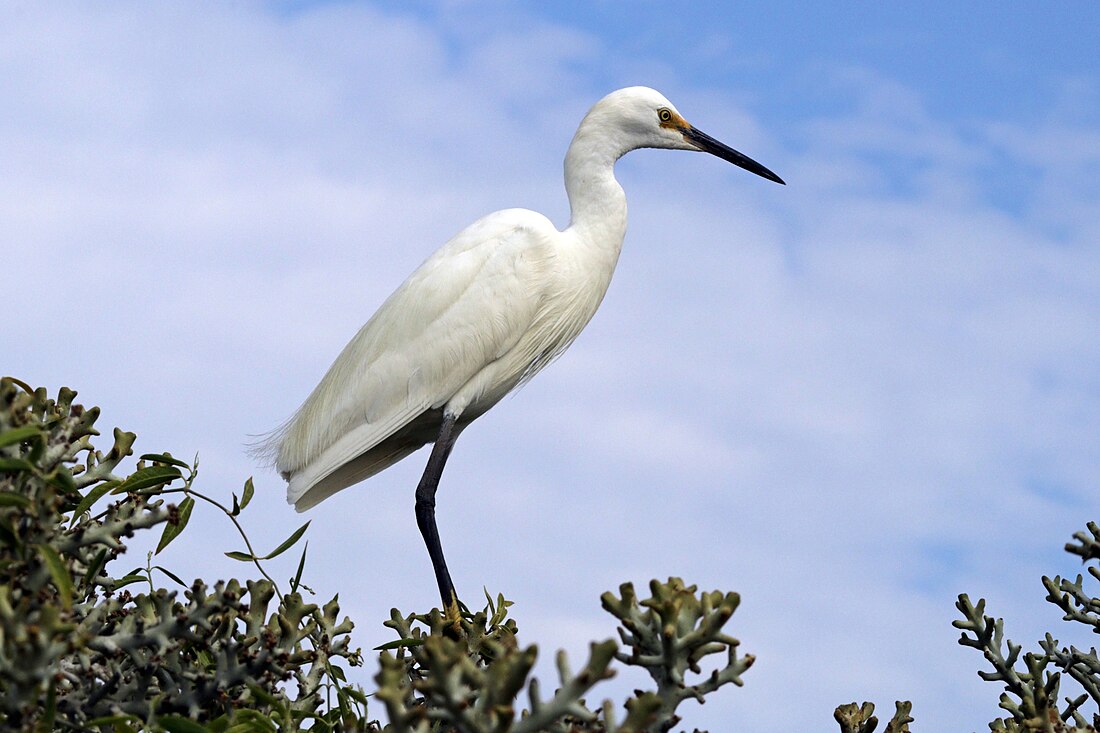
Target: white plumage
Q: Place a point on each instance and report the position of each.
(483, 314)
(463, 330)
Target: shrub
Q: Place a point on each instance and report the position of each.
(85, 647)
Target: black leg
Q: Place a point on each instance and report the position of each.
(425, 513)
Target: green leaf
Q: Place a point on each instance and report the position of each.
(128, 580)
(288, 543)
(248, 727)
(261, 724)
(18, 435)
(45, 722)
(22, 385)
(111, 719)
(261, 694)
(170, 574)
(242, 556)
(236, 506)
(172, 531)
(398, 644)
(15, 464)
(297, 579)
(355, 694)
(252, 722)
(7, 534)
(148, 477)
(60, 575)
(341, 700)
(10, 498)
(91, 498)
(180, 724)
(249, 490)
(95, 568)
(62, 478)
(164, 458)
(219, 724)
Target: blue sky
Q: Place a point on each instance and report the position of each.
(848, 399)
(974, 61)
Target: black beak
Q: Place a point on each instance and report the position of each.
(708, 144)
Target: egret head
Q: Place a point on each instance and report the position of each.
(647, 120)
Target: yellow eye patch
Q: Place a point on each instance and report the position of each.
(668, 118)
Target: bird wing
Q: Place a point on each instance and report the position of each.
(463, 308)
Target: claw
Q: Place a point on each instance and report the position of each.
(452, 614)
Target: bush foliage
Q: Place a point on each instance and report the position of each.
(84, 646)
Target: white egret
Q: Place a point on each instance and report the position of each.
(478, 318)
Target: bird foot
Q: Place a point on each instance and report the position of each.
(452, 615)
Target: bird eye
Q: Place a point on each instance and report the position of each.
(664, 114)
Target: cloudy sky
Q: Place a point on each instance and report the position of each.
(848, 399)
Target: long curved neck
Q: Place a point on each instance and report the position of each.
(597, 203)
